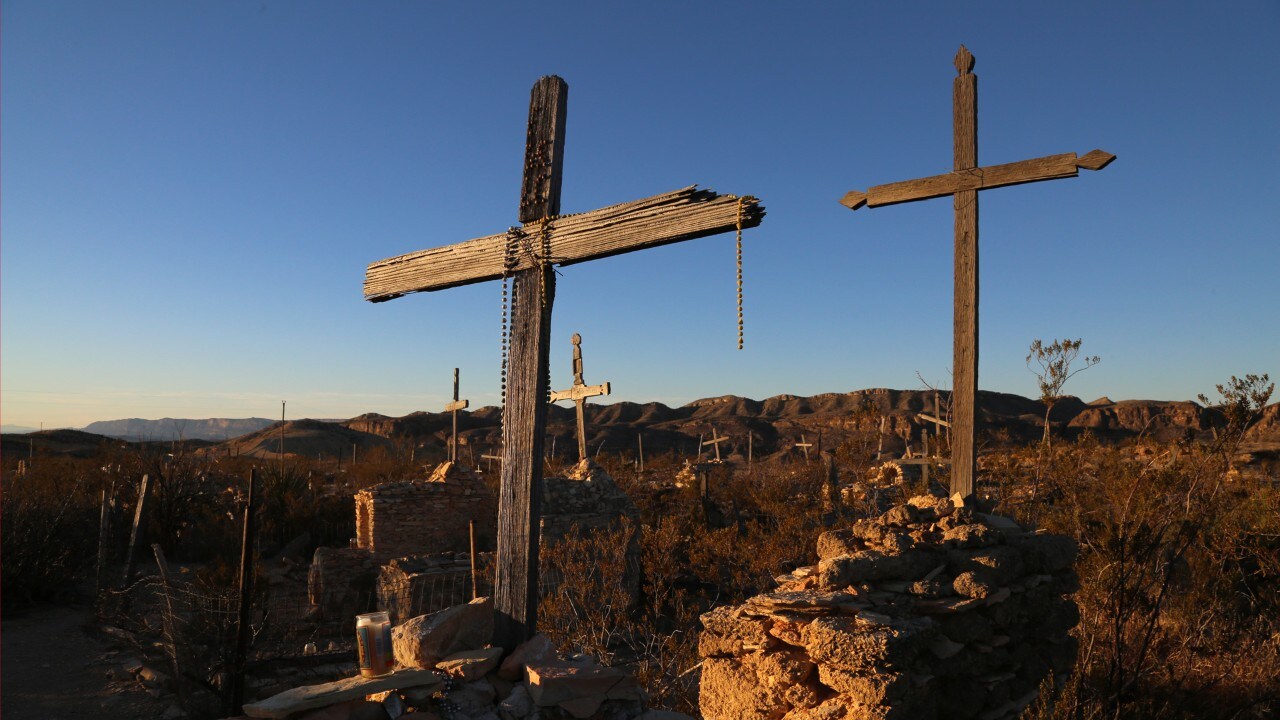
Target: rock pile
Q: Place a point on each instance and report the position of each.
(929, 611)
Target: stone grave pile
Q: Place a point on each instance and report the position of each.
(930, 610)
(446, 667)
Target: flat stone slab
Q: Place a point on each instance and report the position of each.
(309, 697)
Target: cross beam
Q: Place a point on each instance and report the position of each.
(963, 184)
(527, 255)
(454, 407)
(579, 394)
(663, 219)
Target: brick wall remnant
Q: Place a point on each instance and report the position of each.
(421, 584)
(410, 517)
(340, 582)
(928, 611)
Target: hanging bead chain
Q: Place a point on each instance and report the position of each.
(741, 201)
(508, 267)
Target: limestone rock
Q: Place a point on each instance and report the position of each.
(425, 640)
(470, 664)
(314, 696)
(534, 650)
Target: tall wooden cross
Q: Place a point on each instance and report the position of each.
(527, 255)
(454, 407)
(963, 184)
(579, 394)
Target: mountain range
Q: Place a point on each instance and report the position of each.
(885, 417)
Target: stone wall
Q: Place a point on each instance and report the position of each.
(584, 500)
(412, 517)
(340, 582)
(421, 584)
(928, 611)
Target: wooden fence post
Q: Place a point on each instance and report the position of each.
(246, 595)
(130, 560)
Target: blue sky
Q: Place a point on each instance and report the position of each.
(190, 192)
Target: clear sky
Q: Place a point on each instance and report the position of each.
(190, 192)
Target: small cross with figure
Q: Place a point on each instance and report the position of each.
(579, 394)
(453, 408)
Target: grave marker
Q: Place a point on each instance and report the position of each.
(527, 255)
(963, 183)
(579, 394)
(714, 441)
(453, 408)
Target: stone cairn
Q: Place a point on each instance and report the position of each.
(448, 668)
(932, 610)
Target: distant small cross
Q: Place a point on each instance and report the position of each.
(715, 441)
(579, 394)
(454, 407)
(804, 445)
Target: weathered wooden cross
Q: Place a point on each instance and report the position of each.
(963, 184)
(527, 255)
(454, 407)
(579, 394)
(714, 441)
(804, 445)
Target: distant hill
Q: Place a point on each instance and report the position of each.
(216, 429)
(74, 443)
(16, 429)
(310, 438)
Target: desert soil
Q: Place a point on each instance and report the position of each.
(53, 668)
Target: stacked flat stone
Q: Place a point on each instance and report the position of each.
(586, 497)
(420, 584)
(928, 611)
(340, 581)
(401, 518)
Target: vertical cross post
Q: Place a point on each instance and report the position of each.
(964, 115)
(524, 415)
(453, 408)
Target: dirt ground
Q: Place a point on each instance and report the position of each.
(53, 668)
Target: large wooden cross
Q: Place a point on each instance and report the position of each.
(454, 407)
(527, 255)
(963, 184)
(579, 393)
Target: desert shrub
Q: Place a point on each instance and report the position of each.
(48, 529)
(1180, 581)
